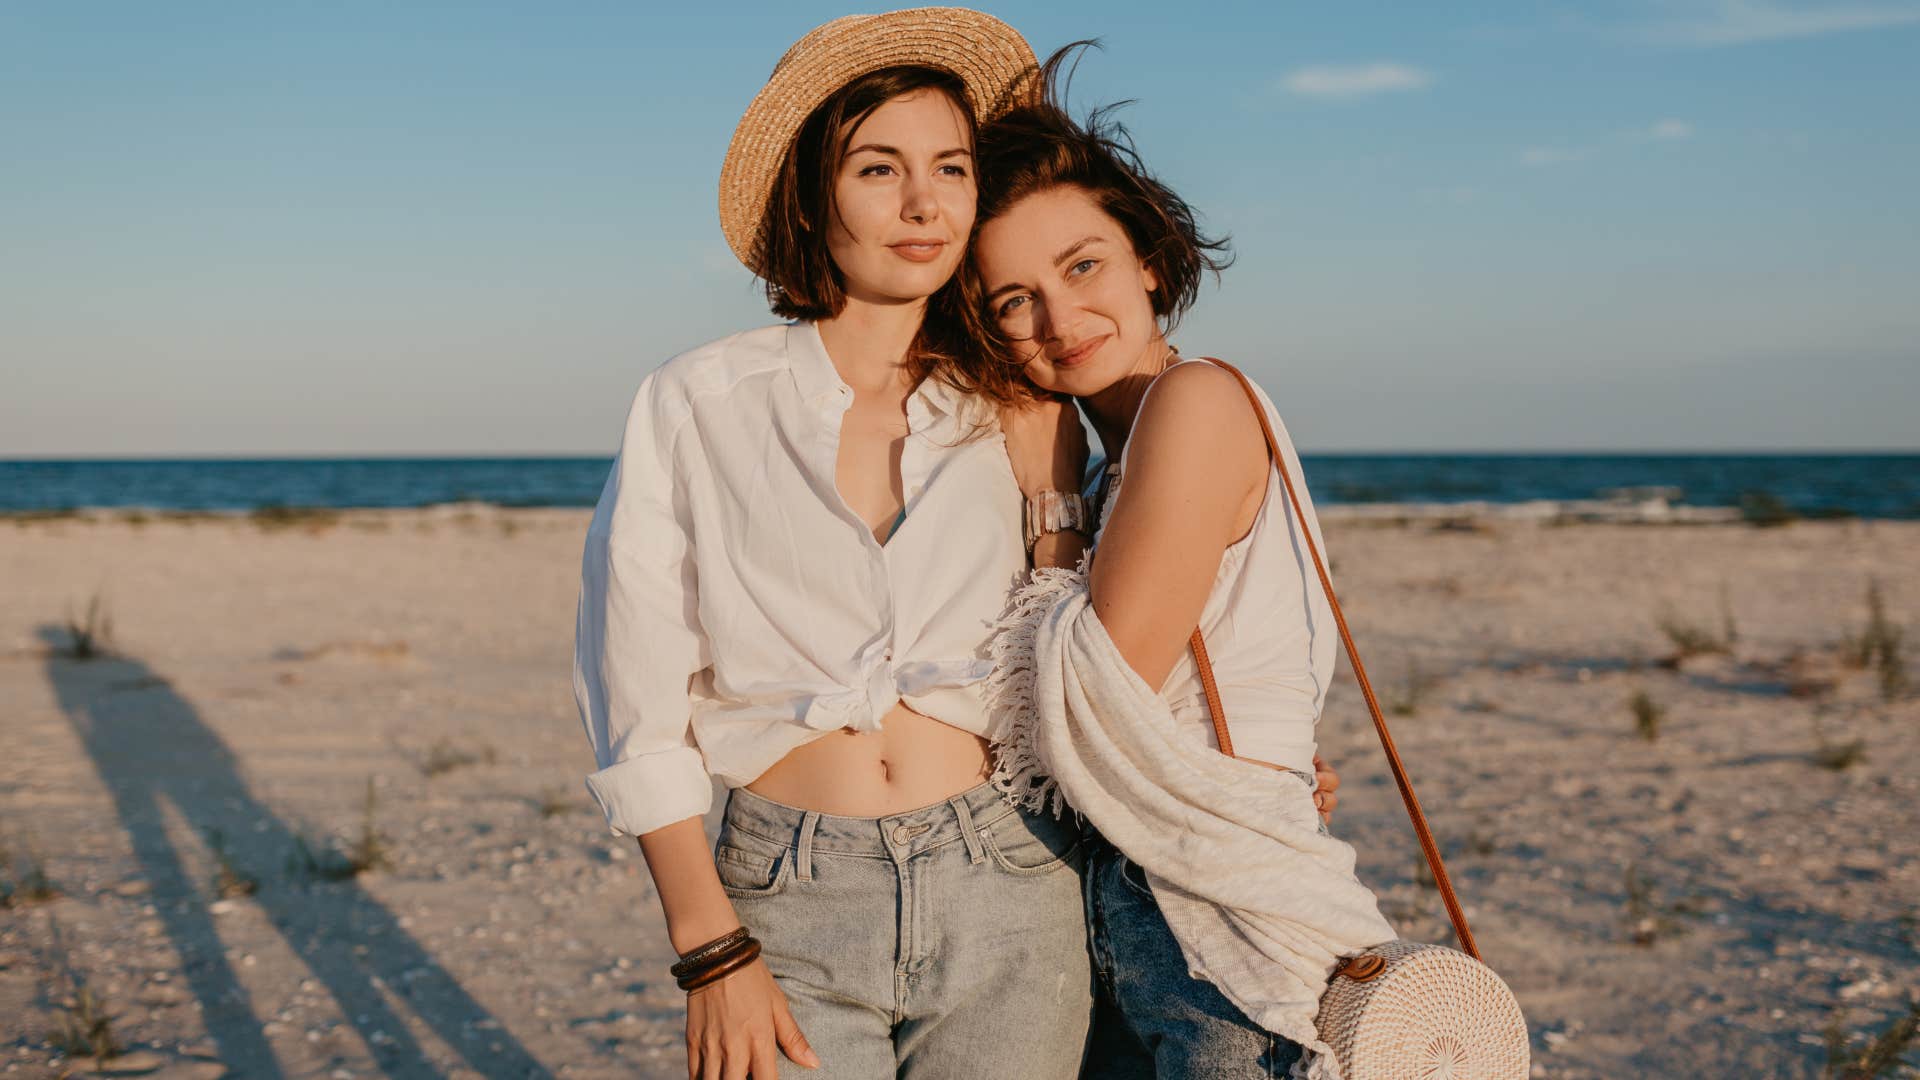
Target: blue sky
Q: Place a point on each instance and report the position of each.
(366, 228)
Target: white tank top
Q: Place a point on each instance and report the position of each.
(1269, 633)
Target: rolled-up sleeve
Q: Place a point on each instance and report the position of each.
(638, 640)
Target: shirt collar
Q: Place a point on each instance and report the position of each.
(815, 377)
(813, 371)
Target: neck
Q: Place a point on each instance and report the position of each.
(1113, 410)
(868, 343)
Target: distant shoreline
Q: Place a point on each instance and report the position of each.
(1640, 487)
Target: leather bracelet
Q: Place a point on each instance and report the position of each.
(688, 972)
(721, 970)
(700, 955)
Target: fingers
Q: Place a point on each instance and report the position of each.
(740, 1055)
(765, 1060)
(787, 1034)
(1325, 779)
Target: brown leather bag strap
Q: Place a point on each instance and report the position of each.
(1427, 845)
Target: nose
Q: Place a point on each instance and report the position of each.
(917, 201)
(1056, 321)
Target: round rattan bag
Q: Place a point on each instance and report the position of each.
(1408, 1011)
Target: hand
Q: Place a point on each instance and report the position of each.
(1326, 788)
(1046, 444)
(734, 1027)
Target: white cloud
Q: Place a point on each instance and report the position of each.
(1328, 81)
(1738, 22)
(1540, 157)
(1671, 129)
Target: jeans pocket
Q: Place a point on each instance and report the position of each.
(1134, 877)
(750, 866)
(1023, 843)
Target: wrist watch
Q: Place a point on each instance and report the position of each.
(1050, 511)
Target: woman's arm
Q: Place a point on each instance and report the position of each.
(734, 1025)
(1047, 447)
(1196, 468)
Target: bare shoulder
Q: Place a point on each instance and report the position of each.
(1200, 412)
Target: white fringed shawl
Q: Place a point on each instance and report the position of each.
(1261, 901)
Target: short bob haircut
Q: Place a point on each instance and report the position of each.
(801, 277)
(1040, 146)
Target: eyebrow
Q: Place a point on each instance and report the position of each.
(1066, 253)
(958, 151)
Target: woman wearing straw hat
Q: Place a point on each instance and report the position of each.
(788, 585)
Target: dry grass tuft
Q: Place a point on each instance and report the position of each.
(31, 887)
(328, 863)
(1879, 646)
(313, 519)
(1406, 699)
(444, 757)
(1689, 639)
(555, 801)
(1838, 756)
(1873, 1057)
(87, 637)
(85, 1029)
(1645, 920)
(1647, 714)
(229, 882)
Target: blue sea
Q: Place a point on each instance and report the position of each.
(1817, 485)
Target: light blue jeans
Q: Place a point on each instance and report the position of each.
(946, 943)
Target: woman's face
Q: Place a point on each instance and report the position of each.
(1061, 279)
(904, 199)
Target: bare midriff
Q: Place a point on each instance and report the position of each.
(911, 762)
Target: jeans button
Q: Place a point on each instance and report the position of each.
(902, 834)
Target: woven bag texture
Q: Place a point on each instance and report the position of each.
(1434, 1014)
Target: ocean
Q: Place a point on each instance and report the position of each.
(1813, 485)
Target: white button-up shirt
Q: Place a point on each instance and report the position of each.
(733, 608)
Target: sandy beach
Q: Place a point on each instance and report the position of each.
(316, 811)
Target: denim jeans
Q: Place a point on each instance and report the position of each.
(1151, 1019)
(946, 943)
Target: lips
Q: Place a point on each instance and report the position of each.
(919, 250)
(1080, 353)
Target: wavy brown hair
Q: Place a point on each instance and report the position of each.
(1039, 146)
(802, 280)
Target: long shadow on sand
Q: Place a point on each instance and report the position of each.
(153, 752)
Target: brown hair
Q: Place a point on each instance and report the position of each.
(801, 277)
(1040, 146)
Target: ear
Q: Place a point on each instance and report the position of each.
(1148, 280)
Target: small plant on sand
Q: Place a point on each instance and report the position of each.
(30, 887)
(1647, 714)
(85, 1030)
(1838, 756)
(229, 882)
(444, 757)
(1406, 699)
(1645, 921)
(1690, 639)
(1849, 1058)
(1729, 633)
(1878, 646)
(328, 863)
(554, 801)
(87, 637)
(274, 518)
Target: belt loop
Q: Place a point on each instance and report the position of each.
(967, 832)
(803, 864)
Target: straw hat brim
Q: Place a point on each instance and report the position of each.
(990, 58)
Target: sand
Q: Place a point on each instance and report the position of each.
(1704, 904)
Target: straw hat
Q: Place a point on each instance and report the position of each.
(988, 56)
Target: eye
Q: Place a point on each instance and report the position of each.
(954, 170)
(1084, 266)
(1011, 304)
(877, 169)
